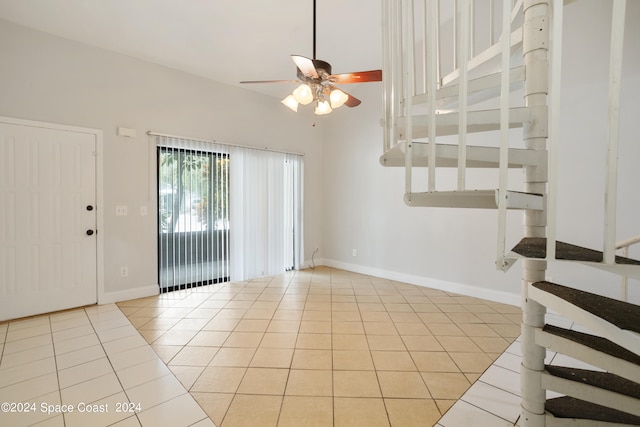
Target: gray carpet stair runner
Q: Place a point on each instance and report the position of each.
(570, 407)
(624, 315)
(536, 247)
(621, 314)
(598, 343)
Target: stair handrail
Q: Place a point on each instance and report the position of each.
(624, 245)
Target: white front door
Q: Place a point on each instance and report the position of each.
(47, 220)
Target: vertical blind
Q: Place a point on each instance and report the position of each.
(226, 212)
(193, 214)
(266, 200)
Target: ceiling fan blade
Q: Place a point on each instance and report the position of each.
(271, 81)
(357, 77)
(352, 101)
(305, 65)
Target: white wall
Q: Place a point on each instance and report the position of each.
(364, 210)
(49, 79)
(351, 202)
(455, 249)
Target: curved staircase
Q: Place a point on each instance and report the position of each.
(432, 96)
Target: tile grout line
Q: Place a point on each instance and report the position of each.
(399, 290)
(4, 342)
(110, 361)
(291, 363)
(403, 344)
(55, 361)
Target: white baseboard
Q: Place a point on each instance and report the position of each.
(428, 282)
(111, 297)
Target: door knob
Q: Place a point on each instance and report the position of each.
(89, 207)
(89, 232)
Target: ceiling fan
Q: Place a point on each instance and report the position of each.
(318, 84)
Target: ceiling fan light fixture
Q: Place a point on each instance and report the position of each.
(323, 107)
(337, 98)
(317, 82)
(291, 102)
(303, 94)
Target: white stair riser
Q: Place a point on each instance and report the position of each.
(473, 199)
(629, 270)
(588, 355)
(477, 121)
(490, 58)
(626, 339)
(477, 157)
(479, 90)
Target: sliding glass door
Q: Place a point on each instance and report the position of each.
(225, 212)
(193, 217)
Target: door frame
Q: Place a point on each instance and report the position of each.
(98, 135)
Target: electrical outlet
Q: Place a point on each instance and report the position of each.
(122, 210)
(143, 211)
(124, 272)
(355, 253)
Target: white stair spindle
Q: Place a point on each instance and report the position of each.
(504, 134)
(554, 128)
(463, 52)
(409, 91)
(434, 22)
(615, 74)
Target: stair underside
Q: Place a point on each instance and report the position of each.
(489, 60)
(479, 89)
(474, 199)
(447, 156)
(477, 121)
(569, 407)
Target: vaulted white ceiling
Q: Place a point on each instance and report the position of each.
(224, 40)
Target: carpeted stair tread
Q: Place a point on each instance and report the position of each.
(603, 380)
(570, 407)
(595, 342)
(622, 314)
(536, 247)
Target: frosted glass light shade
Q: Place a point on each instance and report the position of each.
(303, 94)
(291, 102)
(323, 107)
(337, 98)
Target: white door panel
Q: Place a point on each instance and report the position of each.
(47, 180)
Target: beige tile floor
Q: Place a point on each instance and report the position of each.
(308, 348)
(324, 347)
(88, 367)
